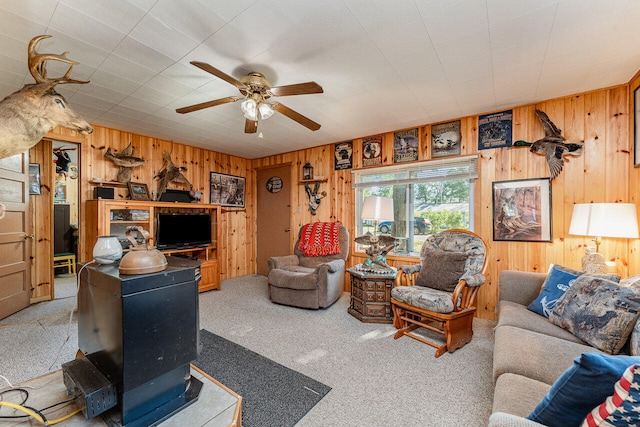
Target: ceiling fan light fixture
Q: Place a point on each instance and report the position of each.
(250, 109)
(266, 110)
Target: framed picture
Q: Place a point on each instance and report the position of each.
(405, 146)
(446, 139)
(227, 190)
(34, 178)
(522, 210)
(343, 153)
(636, 127)
(372, 151)
(138, 191)
(495, 130)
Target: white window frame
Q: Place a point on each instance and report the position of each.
(456, 168)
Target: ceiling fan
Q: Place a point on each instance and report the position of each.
(256, 90)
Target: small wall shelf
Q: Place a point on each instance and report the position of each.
(108, 183)
(307, 181)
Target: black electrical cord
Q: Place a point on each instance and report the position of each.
(39, 412)
(21, 390)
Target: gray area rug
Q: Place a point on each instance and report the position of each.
(272, 395)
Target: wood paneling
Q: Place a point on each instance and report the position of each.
(603, 173)
(600, 174)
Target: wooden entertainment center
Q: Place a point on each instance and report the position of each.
(112, 217)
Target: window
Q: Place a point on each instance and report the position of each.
(427, 197)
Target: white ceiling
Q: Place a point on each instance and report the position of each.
(384, 65)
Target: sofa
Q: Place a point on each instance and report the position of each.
(531, 352)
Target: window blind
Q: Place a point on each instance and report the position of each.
(428, 171)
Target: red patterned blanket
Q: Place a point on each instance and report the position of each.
(320, 239)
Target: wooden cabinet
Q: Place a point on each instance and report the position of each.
(112, 217)
(371, 296)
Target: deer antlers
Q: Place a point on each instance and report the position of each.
(37, 65)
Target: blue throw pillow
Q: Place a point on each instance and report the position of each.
(556, 284)
(581, 388)
(558, 281)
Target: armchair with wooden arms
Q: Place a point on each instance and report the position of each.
(439, 294)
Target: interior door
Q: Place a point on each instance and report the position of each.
(274, 212)
(15, 245)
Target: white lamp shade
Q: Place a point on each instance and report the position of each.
(604, 220)
(249, 108)
(266, 110)
(377, 208)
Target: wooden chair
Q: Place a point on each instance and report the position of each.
(448, 311)
(66, 260)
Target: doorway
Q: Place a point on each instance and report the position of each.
(66, 212)
(274, 213)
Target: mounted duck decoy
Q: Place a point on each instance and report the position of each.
(552, 146)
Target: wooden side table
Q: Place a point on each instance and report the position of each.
(371, 296)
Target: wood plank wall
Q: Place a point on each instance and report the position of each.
(599, 118)
(604, 173)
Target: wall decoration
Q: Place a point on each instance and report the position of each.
(126, 161)
(372, 151)
(59, 192)
(343, 155)
(314, 196)
(446, 139)
(636, 127)
(227, 190)
(522, 210)
(405, 146)
(495, 130)
(274, 184)
(552, 146)
(34, 178)
(170, 173)
(138, 191)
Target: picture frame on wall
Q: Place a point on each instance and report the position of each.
(343, 155)
(34, 179)
(495, 130)
(522, 210)
(227, 190)
(372, 151)
(446, 139)
(405, 146)
(138, 191)
(636, 127)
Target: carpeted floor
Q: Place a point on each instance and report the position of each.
(272, 395)
(374, 379)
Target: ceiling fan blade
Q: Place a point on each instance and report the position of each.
(294, 115)
(250, 126)
(207, 104)
(297, 89)
(224, 76)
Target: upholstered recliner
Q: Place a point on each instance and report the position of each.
(440, 293)
(311, 281)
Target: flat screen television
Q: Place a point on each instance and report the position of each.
(183, 230)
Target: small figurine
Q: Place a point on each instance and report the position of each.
(380, 245)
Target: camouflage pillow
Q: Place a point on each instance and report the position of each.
(599, 312)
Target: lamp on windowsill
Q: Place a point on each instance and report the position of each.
(377, 208)
(598, 220)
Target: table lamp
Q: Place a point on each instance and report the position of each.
(377, 208)
(598, 220)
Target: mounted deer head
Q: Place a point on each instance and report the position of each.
(28, 114)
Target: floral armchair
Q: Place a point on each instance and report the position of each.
(439, 294)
